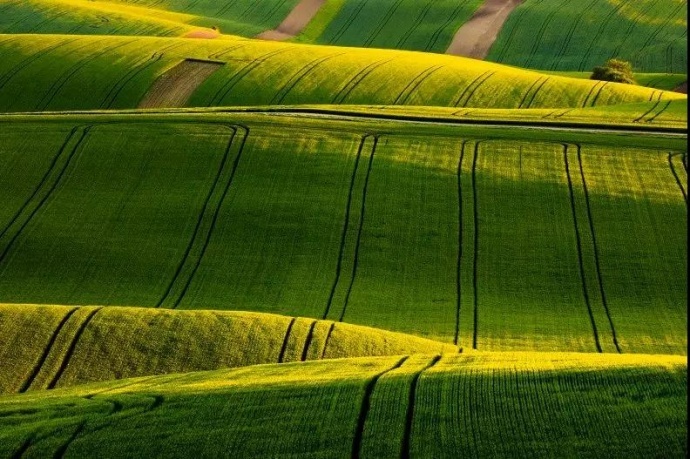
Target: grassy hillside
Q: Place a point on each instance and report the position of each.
(56, 346)
(664, 81)
(494, 238)
(141, 17)
(398, 24)
(479, 404)
(40, 72)
(567, 35)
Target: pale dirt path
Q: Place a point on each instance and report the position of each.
(475, 37)
(295, 22)
(175, 87)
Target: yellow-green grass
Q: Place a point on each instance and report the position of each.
(46, 346)
(664, 81)
(42, 72)
(566, 35)
(507, 405)
(150, 18)
(427, 25)
(493, 237)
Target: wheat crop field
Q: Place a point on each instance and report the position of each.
(343, 229)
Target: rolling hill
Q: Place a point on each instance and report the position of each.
(416, 406)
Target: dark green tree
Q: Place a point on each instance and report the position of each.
(616, 70)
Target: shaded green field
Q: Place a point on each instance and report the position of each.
(566, 35)
(40, 72)
(663, 81)
(397, 24)
(418, 406)
(493, 238)
(44, 347)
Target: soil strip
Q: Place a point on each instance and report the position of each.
(295, 22)
(176, 86)
(475, 37)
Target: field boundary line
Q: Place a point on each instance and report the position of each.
(409, 414)
(578, 242)
(679, 182)
(214, 218)
(46, 351)
(360, 227)
(595, 247)
(56, 183)
(73, 345)
(365, 407)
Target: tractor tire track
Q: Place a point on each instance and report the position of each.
(594, 87)
(31, 59)
(382, 24)
(115, 91)
(307, 342)
(46, 351)
(65, 77)
(214, 220)
(475, 218)
(328, 338)
(596, 97)
(357, 79)
(415, 83)
(517, 20)
(569, 37)
(542, 31)
(578, 243)
(662, 26)
(656, 115)
(71, 349)
(360, 228)
(409, 415)
(595, 247)
(283, 349)
(348, 22)
(23, 448)
(677, 177)
(50, 191)
(343, 234)
(458, 271)
(420, 20)
(225, 89)
(437, 33)
(658, 101)
(296, 78)
(469, 89)
(602, 27)
(366, 406)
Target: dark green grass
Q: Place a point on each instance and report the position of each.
(565, 35)
(521, 405)
(145, 214)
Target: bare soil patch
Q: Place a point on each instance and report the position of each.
(295, 22)
(475, 37)
(202, 33)
(176, 86)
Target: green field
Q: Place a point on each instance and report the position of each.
(417, 406)
(566, 35)
(355, 223)
(347, 243)
(51, 73)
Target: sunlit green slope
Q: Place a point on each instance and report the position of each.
(43, 347)
(515, 405)
(495, 238)
(141, 17)
(82, 72)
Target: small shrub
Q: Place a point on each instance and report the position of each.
(616, 70)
